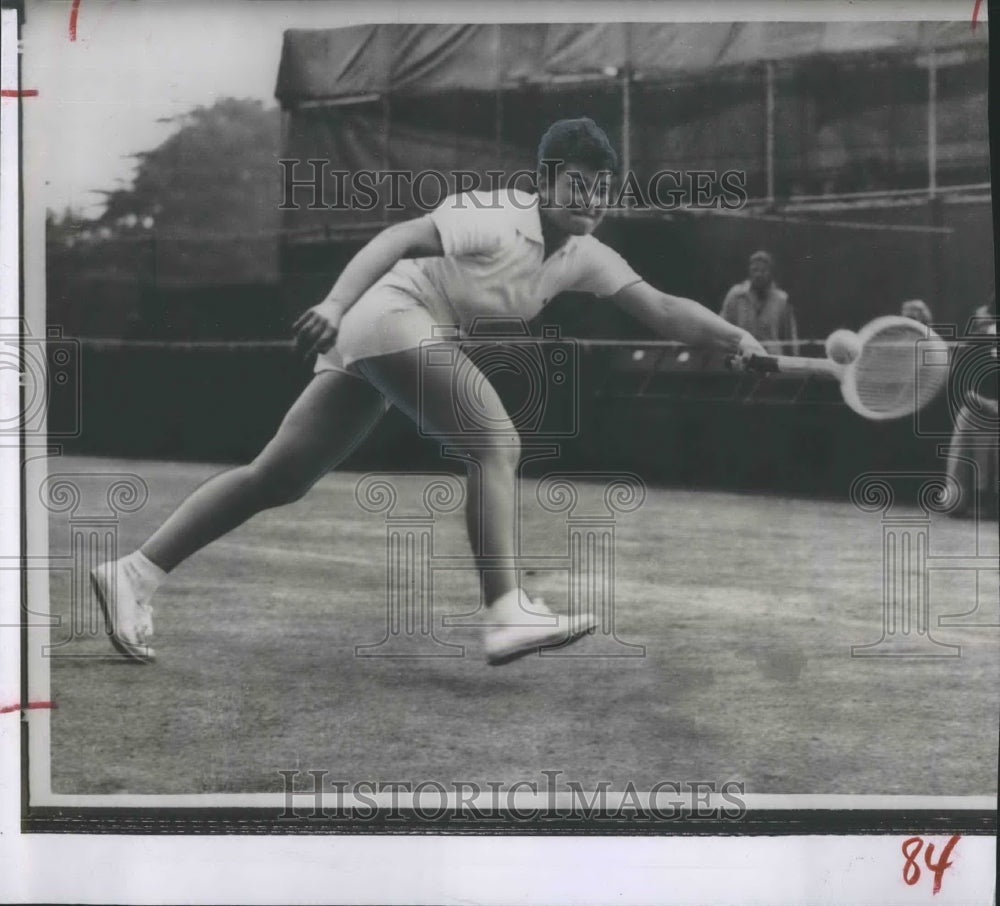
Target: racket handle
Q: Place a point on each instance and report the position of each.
(759, 364)
(763, 364)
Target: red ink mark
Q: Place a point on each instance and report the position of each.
(14, 93)
(76, 8)
(7, 709)
(911, 871)
(942, 863)
(975, 13)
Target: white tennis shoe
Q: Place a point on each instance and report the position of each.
(129, 620)
(524, 626)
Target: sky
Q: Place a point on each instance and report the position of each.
(134, 63)
(104, 96)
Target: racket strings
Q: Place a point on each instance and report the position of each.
(891, 374)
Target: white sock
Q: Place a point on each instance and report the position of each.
(516, 608)
(144, 575)
(507, 606)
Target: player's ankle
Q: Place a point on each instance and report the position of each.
(143, 573)
(501, 597)
(507, 606)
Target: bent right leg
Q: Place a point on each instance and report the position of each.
(333, 415)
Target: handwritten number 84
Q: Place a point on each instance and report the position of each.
(911, 870)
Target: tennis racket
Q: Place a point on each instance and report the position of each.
(900, 367)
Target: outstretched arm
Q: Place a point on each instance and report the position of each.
(316, 330)
(675, 318)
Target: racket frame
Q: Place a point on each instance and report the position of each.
(846, 374)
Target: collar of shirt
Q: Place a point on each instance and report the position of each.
(530, 225)
(531, 228)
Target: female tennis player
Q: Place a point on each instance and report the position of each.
(504, 254)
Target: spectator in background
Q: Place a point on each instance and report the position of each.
(916, 310)
(972, 465)
(758, 306)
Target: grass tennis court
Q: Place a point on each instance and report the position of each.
(747, 606)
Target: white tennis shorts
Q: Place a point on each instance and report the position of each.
(384, 320)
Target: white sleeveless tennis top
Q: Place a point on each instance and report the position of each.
(494, 266)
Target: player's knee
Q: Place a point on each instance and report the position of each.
(501, 450)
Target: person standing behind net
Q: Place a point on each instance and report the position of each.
(916, 310)
(478, 255)
(972, 465)
(760, 307)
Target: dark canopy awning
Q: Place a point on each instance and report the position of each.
(360, 60)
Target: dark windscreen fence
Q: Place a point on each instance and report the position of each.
(863, 126)
(963, 156)
(435, 138)
(328, 138)
(655, 408)
(851, 127)
(837, 274)
(600, 100)
(196, 286)
(711, 126)
(799, 109)
(847, 143)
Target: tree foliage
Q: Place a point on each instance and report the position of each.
(217, 173)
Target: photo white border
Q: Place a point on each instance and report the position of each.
(84, 868)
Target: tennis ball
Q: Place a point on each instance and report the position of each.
(843, 346)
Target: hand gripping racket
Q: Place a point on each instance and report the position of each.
(900, 367)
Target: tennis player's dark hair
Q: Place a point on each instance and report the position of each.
(579, 141)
